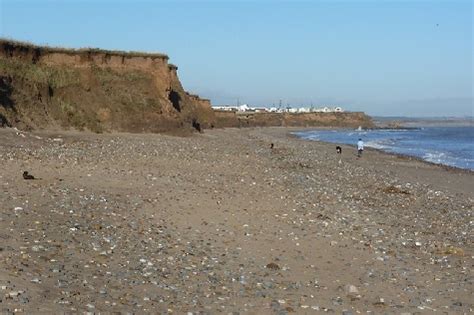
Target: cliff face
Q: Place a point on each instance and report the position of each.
(42, 87)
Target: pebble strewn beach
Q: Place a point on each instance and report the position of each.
(221, 223)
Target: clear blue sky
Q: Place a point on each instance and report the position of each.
(382, 57)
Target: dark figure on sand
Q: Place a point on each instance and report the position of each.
(197, 125)
(360, 147)
(27, 176)
(338, 150)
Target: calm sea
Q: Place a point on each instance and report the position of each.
(452, 145)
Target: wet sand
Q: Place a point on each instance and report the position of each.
(220, 223)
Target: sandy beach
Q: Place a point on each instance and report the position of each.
(221, 223)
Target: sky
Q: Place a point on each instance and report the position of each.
(390, 58)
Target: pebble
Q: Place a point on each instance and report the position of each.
(352, 292)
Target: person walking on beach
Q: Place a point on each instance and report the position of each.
(360, 147)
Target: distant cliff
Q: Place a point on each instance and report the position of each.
(98, 90)
(343, 119)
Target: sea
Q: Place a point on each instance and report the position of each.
(447, 145)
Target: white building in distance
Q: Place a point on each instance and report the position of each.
(247, 108)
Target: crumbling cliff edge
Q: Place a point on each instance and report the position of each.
(98, 90)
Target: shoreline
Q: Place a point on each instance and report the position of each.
(401, 155)
(220, 222)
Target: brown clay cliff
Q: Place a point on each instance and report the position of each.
(98, 90)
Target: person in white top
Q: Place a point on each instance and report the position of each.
(360, 147)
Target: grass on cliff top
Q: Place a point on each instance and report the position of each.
(87, 50)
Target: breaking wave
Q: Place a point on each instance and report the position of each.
(453, 146)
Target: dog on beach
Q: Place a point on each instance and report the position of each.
(27, 176)
(271, 146)
(338, 150)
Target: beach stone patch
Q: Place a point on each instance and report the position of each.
(272, 266)
(160, 224)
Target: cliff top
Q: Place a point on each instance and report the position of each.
(8, 44)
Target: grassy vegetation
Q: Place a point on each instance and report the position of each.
(66, 107)
(55, 77)
(63, 76)
(78, 118)
(108, 75)
(87, 50)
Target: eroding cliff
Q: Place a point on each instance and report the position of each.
(101, 90)
(98, 90)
